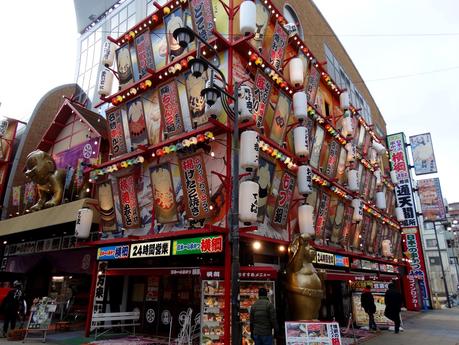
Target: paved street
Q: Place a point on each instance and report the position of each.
(439, 327)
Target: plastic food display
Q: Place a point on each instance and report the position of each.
(212, 312)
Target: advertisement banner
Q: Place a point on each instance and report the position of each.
(341, 261)
(170, 109)
(7, 134)
(322, 214)
(106, 206)
(84, 151)
(195, 187)
(360, 316)
(117, 137)
(113, 252)
(150, 249)
(16, 199)
(423, 154)
(327, 333)
(277, 52)
(144, 53)
(432, 205)
(128, 201)
(136, 123)
(261, 93)
(164, 205)
(280, 119)
(313, 84)
(286, 188)
(403, 190)
(198, 245)
(124, 63)
(203, 18)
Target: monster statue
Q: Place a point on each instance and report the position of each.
(304, 287)
(41, 169)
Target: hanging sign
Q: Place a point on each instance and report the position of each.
(322, 214)
(136, 122)
(332, 163)
(261, 93)
(144, 52)
(325, 258)
(313, 84)
(403, 190)
(113, 252)
(106, 206)
(198, 245)
(432, 205)
(195, 188)
(164, 204)
(170, 109)
(341, 261)
(128, 200)
(286, 188)
(150, 249)
(203, 18)
(280, 119)
(423, 154)
(124, 63)
(313, 333)
(117, 138)
(276, 54)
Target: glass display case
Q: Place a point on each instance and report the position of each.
(212, 312)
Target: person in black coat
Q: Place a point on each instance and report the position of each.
(393, 300)
(368, 304)
(11, 306)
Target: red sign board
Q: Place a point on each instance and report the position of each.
(117, 138)
(260, 97)
(128, 200)
(276, 55)
(286, 188)
(170, 109)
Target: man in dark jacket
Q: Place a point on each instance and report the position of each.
(11, 304)
(367, 302)
(263, 319)
(393, 300)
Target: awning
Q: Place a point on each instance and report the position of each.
(51, 216)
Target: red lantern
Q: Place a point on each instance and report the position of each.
(142, 86)
(253, 57)
(184, 63)
(114, 101)
(201, 138)
(127, 37)
(154, 18)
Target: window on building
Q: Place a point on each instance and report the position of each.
(152, 8)
(434, 260)
(291, 18)
(431, 243)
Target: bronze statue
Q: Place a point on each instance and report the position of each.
(304, 287)
(41, 169)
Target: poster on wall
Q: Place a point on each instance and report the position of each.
(312, 333)
(124, 63)
(280, 119)
(164, 204)
(106, 205)
(117, 137)
(423, 154)
(128, 201)
(203, 18)
(378, 290)
(136, 123)
(281, 210)
(265, 174)
(277, 52)
(30, 194)
(195, 188)
(431, 197)
(313, 84)
(170, 109)
(144, 51)
(260, 97)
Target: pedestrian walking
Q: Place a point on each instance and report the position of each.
(12, 304)
(367, 302)
(393, 300)
(263, 319)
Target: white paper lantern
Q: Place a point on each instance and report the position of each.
(306, 219)
(344, 100)
(386, 248)
(304, 180)
(372, 155)
(357, 215)
(83, 223)
(381, 200)
(248, 202)
(296, 71)
(351, 152)
(348, 127)
(108, 53)
(104, 87)
(300, 105)
(377, 174)
(353, 180)
(301, 141)
(249, 150)
(393, 177)
(248, 17)
(380, 148)
(399, 214)
(245, 103)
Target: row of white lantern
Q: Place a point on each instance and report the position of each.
(104, 87)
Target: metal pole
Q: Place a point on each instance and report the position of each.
(441, 264)
(235, 264)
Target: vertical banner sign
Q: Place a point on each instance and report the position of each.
(347, 227)
(313, 84)
(128, 199)
(403, 190)
(280, 119)
(144, 53)
(163, 194)
(423, 154)
(136, 122)
(332, 162)
(416, 278)
(286, 188)
(260, 98)
(106, 205)
(203, 18)
(124, 63)
(117, 138)
(99, 292)
(322, 214)
(195, 188)
(432, 205)
(170, 109)
(276, 54)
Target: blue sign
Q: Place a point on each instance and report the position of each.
(341, 261)
(113, 252)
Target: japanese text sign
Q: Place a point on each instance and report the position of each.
(113, 252)
(286, 188)
(117, 138)
(150, 249)
(128, 200)
(423, 154)
(198, 245)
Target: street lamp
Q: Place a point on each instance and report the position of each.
(211, 94)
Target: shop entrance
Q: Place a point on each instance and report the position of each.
(337, 304)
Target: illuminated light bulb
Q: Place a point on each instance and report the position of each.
(212, 154)
(256, 245)
(282, 248)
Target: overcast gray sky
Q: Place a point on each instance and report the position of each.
(406, 50)
(408, 53)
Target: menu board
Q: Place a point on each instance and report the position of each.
(312, 333)
(212, 312)
(41, 314)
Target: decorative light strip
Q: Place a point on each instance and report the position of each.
(194, 140)
(378, 215)
(269, 71)
(330, 129)
(278, 155)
